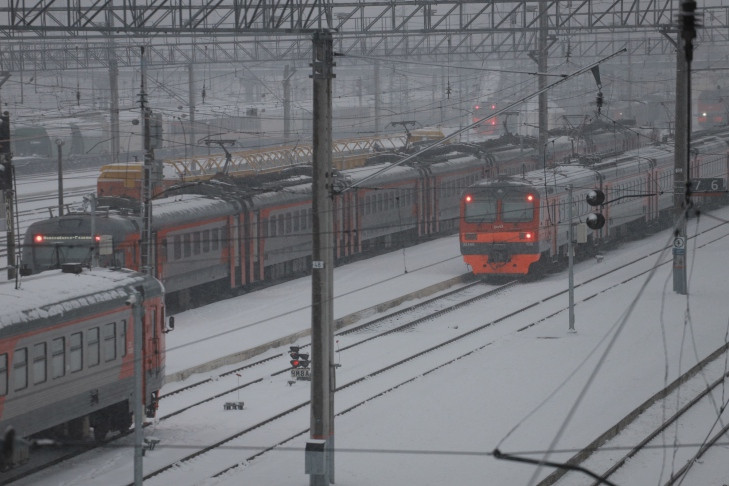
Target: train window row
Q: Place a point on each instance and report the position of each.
(629, 189)
(65, 354)
(195, 243)
(287, 223)
(455, 187)
(386, 200)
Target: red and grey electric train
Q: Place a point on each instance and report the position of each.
(236, 236)
(67, 353)
(519, 224)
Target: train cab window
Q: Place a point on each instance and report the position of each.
(288, 223)
(3, 374)
(75, 357)
(280, 225)
(39, 363)
(119, 259)
(196, 243)
(92, 346)
(123, 336)
(206, 241)
(20, 369)
(296, 221)
(517, 209)
(481, 210)
(58, 357)
(110, 341)
(303, 219)
(177, 247)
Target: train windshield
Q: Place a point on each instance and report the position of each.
(481, 210)
(52, 254)
(517, 209)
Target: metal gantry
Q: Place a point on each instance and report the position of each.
(37, 34)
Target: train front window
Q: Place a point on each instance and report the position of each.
(517, 209)
(481, 210)
(51, 255)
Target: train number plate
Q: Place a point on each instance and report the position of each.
(301, 373)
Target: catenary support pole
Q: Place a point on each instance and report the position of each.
(135, 300)
(322, 307)
(59, 145)
(571, 260)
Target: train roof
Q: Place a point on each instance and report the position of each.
(393, 173)
(54, 294)
(186, 206)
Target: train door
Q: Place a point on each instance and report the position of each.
(153, 347)
(232, 247)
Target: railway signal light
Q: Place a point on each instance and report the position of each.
(595, 221)
(595, 197)
(298, 360)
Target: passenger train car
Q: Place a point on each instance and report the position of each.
(520, 224)
(230, 235)
(67, 351)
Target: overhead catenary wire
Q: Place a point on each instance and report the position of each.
(481, 120)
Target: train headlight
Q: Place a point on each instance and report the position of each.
(468, 198)
(530, 197)
(38, 239)
(526, 236)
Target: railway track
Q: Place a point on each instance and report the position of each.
(460, 342)
(685, 412)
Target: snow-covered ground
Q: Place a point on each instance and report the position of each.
(518, 393)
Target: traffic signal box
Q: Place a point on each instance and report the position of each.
(298, 360)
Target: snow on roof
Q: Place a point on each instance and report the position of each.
(54, 293)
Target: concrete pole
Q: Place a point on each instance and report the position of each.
(378, 101)
(191, 105)
(542, 79)
(571, 260)
(146, 196)
(59, 144)
(287, 102)
(322, 308)
(136, 300)
(113, 92)
(683, 126)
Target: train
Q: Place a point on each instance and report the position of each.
(497, 124)
(519, 225)
(227, 235)
(713, 107)
(67, 351)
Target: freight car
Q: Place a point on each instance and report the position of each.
(67, 353)
(520, 224)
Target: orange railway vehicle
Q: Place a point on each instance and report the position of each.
(499, 228)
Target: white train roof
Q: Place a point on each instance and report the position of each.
(54, 293)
